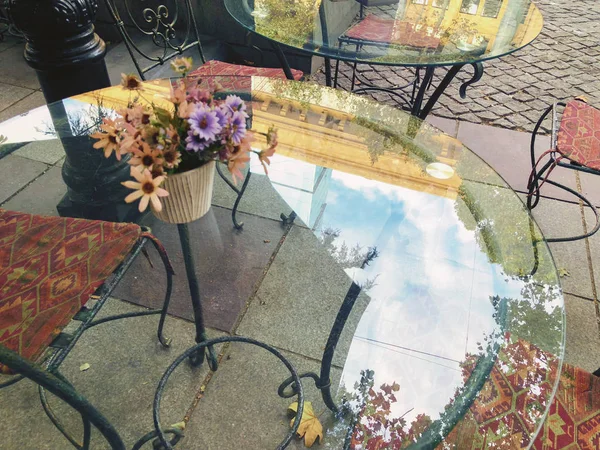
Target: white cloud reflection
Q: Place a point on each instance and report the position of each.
(431, 302)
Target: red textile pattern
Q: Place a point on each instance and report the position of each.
(390, 31)
(579, 134)
(504, 415)
(243, 83)
(49, 267)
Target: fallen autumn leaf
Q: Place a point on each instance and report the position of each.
(310, 427)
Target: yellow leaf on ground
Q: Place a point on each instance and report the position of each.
(562, 272)
(310, 427)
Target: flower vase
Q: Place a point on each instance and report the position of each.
(190, 195)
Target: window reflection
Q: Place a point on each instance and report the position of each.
(419, 2)
(491, 8)
(469, 6)
(440, 4)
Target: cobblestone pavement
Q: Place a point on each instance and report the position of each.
(563, 62)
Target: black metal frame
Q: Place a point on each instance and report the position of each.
(538, 177)
(162, 31)
(47, 374)
(199, 348)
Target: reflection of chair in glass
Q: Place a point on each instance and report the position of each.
(574, 145)
(51, 268)
(381, 32)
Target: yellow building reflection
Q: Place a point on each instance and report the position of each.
(473, 24)
(314, 126)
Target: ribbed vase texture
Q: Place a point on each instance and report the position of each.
(190, 195)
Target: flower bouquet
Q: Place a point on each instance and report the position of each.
(172, 151)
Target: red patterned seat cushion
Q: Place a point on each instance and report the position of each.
(220, 68)
(390, 31)
(49, 267)
(498, 417)
(579, 134)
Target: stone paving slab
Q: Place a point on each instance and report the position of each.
(583, 337)
(49, 152)
(557, 219)
(25, 104)
(590, 187)
(296, 313)
(15, 71)
(259, 199)
(41, 196)
(594, 245)
(562, 63)
(241, 408)
(126, 362)
(507, 151)
(10, 94)
(229, 265)
(16, 173)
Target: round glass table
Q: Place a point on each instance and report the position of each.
(403, 277)
(411, 33)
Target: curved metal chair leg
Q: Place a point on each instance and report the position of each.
(87, 428)
(212, 342)
(65, 392)
(588, 203)
(533, 185)
(238, 191)
(165, 342)
(240, 194)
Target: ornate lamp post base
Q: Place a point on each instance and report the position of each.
(62, 47)
(68, 58)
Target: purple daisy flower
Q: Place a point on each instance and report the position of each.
(237, 127)
(235, 103)
(205, 123)
(195, 143)
(223, 113)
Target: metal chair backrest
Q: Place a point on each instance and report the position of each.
(169, 24)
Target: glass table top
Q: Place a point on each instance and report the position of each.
(400, 32)
(459, 301)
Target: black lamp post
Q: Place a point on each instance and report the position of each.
(68, 57)
(62, 47)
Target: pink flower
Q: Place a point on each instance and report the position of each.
(178, 94)
(146, 188)
(108, 138)
(146, 157)
(185, 110)
(239, 159)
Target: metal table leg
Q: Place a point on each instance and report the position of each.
(422, 113)
(196, 358)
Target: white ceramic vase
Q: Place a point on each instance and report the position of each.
(190, 195)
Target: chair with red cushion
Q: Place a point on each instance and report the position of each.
(50, 268)
(174, 31)
(574, 144)
(373, 30)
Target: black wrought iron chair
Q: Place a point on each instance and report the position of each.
(173, 30)
(574, 144)
(50, 267)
